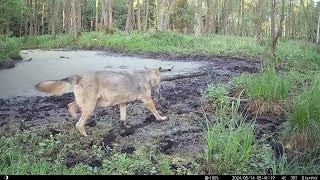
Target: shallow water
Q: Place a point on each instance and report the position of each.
(55, 64)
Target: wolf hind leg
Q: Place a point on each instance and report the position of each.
(87, 103)
(86, 110)
(72, 108)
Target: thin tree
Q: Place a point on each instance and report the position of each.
(129, 17)
(109, 15)
(53, 18)
(258, 20)
(168, 14)
(161, 15)
(210, 17)
(26, 19)
(198, 18)
(79, 16)
(308, 23)
(318, 30)
(36, 27)
(42, 18)
(225, 17)
(97, 15)
(146, 17)
(74, 19)
(138, 15)
(276, 34)
(31, 20)
(104, 14)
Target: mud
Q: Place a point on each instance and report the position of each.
(179, 101)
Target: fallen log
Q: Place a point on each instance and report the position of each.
(172, 78)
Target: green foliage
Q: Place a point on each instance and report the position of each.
(10, 48)
(232, 148)
(298, 55)
(266, 86)
(217, 94)
(10, 11)
(229, 141)
(30, 153)
(305, 116)
(16, 159)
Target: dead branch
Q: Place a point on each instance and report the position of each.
(183, 76)
(166, 70)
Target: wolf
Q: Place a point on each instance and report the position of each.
(106, 88)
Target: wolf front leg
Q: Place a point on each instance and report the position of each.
(150, 105)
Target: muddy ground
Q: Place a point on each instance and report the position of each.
(179, 101)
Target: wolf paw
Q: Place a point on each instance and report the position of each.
(162, 119)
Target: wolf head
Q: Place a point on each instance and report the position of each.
(154, 78)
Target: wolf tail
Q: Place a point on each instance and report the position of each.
(58, 87)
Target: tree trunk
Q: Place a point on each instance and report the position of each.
(308, 24)
(146, 17)
(27, 19)
(318, 30)
(103, 14)
(79, 17)
(225, 17)
(109, 16)
(31, 20)
(198, 18)
(42, 18)
(138, 16)
(53, 18)
(273, 11)
(242, 17)
(74, 20)
(63, 16)
(129, 17)
(167, 16)
(258, 20)
(210, 17)
(239, 17)
(161, 15)
(68, 27)
(276, 35)
(97, 15)
(36, 17)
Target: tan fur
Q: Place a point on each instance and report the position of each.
(54, 87)
(106, 88)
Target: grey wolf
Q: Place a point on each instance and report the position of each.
(106, 88)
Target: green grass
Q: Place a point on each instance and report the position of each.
(231, 146)
(267, 86)
(33, 153)
(17, 159)
(305, 117)
(216, 95)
